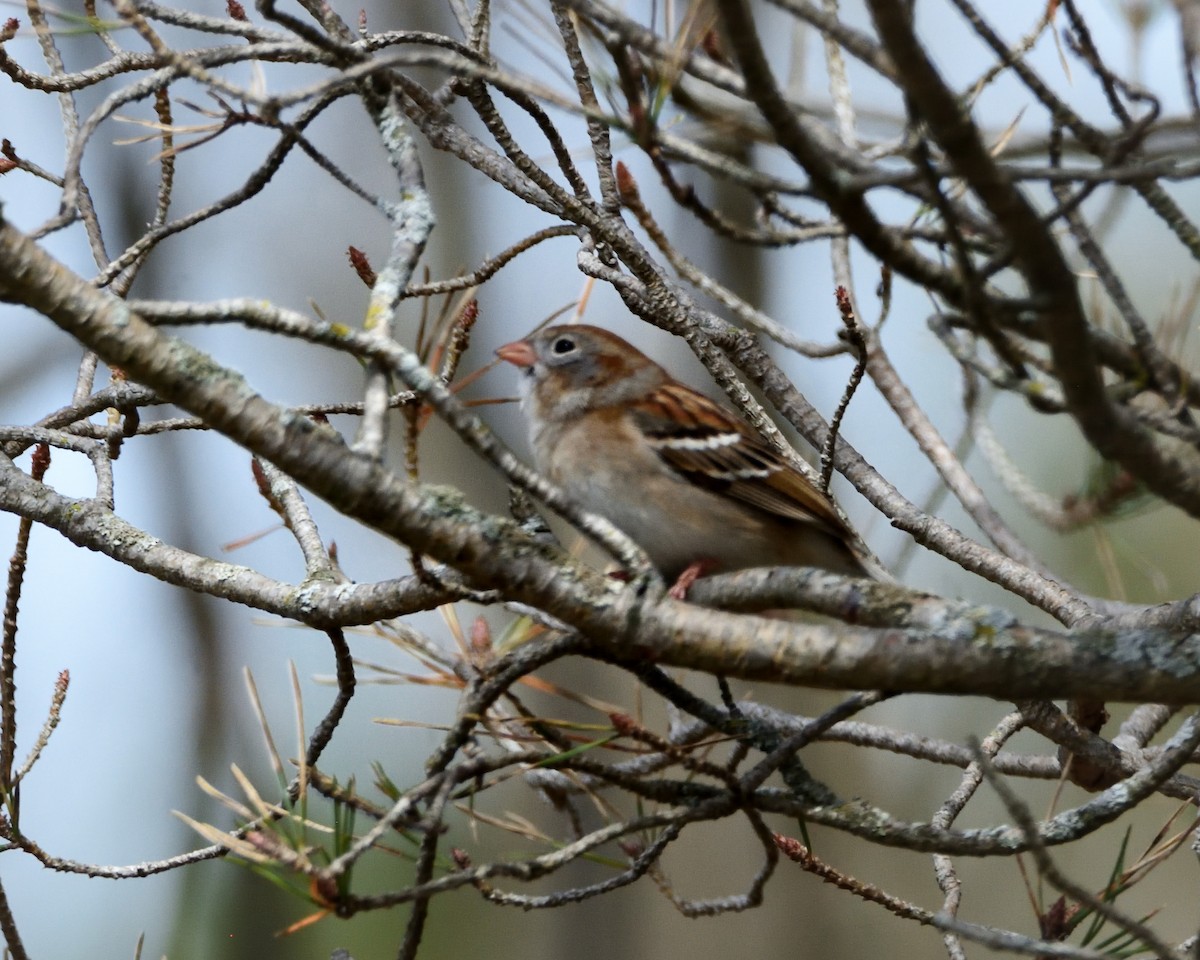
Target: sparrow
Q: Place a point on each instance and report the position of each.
(687, 480)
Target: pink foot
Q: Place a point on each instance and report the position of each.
(694, 572)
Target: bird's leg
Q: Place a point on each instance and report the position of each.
(693, 572)
(679, 590)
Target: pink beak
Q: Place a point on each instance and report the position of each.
(519, 353)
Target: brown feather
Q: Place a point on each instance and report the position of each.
(687, 478)
(688, 432)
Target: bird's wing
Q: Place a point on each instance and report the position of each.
(716, 450)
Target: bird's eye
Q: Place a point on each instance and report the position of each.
(563, 346)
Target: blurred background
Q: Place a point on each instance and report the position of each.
(158, 693)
